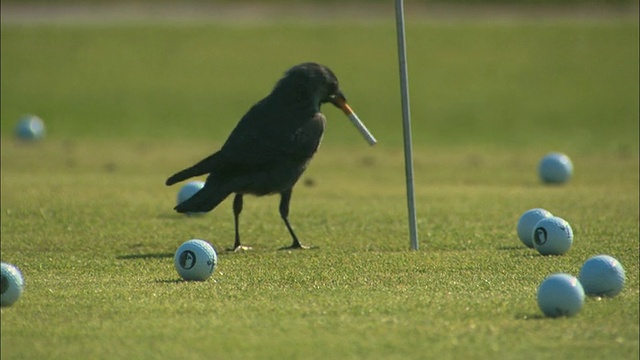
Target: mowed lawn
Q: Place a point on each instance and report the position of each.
(87, 218)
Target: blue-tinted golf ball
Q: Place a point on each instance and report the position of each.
(195, 260)
(560, 295)
(188, 190)
(30, 127)
(526, 223)
(552, 236)
(555, 168)
(602, 275)
(11, 284)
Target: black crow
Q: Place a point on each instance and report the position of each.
(270, 147)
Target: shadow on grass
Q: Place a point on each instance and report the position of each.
(221, 253)
(182, 281)
(177, 216)
(145, 256)
(167, 281)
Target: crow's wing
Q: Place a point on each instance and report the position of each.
(269, 134)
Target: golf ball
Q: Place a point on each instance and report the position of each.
(188, 190)
(11, 284)
(195, 260)
(560, 295)
(552, 236)
(602, 275)
(555, 168)
(526, 223)
(30, 127)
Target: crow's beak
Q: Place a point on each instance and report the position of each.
(341, 102)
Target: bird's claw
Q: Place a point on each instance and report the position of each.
(240, 248)
(297, 247)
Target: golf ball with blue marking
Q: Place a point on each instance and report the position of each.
(11, 284)
(188, 190)
(560, 295)
(527, 222)
(30, 127)
(195, 260)
(602, 275)
(552, 236)
(555, 168)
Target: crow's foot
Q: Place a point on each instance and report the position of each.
(297, 247)
(240, 248)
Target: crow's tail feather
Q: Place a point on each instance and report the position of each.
(203, 201)
(203, 167)
(181, 175)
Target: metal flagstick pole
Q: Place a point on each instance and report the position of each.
(406, 121)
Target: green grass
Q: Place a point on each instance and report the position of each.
(86, 216)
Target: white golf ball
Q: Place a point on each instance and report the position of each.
(560, 295)
(526, 223)
(30, 127)
(555, 168)
(187, 191)
(195, 260)
(11, 284)
(602, 275)
(552, 236)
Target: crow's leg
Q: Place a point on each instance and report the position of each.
(237, 209)
(285, 198)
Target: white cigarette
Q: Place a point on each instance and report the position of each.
(363, 129)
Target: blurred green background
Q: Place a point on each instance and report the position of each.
(562, 84)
